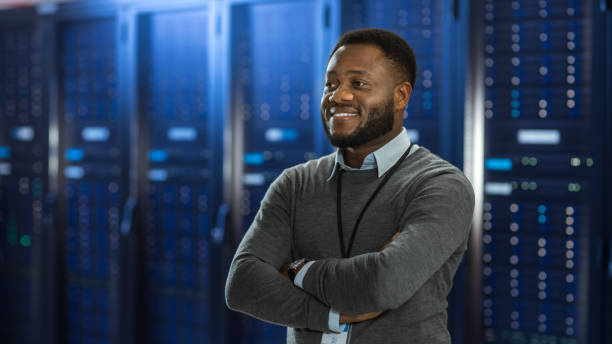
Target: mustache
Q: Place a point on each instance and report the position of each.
(332, 103)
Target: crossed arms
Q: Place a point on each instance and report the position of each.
(433, 227)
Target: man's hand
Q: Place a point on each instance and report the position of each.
(284, 270)
(389, 241)
(352, 318)
(346, 318)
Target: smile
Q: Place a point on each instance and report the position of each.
(345, 115)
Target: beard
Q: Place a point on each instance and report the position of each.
(380, 122)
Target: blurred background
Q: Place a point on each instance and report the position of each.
(138, 138)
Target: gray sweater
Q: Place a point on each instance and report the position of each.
(427, 199)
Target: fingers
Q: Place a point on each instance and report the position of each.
(355, 318)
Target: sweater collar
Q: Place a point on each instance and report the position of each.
(382, 158)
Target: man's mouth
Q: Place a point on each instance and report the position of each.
(343, 112)
(345, 115)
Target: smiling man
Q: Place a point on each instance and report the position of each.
(359, 246)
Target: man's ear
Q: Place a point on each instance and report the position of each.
(401, 95)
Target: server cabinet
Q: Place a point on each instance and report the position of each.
(93, 173)
(277, 66)
(541, 221)
(23, 176)
(180, 175)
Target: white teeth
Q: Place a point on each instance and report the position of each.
(345, 115)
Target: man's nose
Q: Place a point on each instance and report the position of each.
(340, 95)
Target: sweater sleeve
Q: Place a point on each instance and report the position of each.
(254, 285)
(435, 224)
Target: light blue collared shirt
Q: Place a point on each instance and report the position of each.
(383, 159)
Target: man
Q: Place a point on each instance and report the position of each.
(373, 233)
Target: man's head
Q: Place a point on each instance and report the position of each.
(368, 82)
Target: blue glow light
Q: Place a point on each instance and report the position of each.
(538, 136)
(542, 219)
(5, 152)
(254, 179)
(158, 175)
(541, 208)
(516, 113)
(74, 172)
(182, 134)
(95, 134)
(158, 155)
(74, 154)
(280, 134)
(24, 133)
(515, 93)
(254, 158)
(498, 164)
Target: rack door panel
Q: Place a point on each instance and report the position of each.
(539, 171)
(275, 94)
(93, 177)
(179, 176)
(23, 178)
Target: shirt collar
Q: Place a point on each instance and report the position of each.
(383, 158)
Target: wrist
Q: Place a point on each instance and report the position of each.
(295, 267)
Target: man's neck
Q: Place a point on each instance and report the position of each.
(354, 157)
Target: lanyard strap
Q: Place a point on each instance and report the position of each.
(347, 253)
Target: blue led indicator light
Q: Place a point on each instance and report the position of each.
(74, 154)
(516, 113)
(23, 133)
(542, 219)
(182, 134)
(74, 172)
(516, 104)
(515, 93)
(541, 209)
(254, 158)
(427, 105)
(158, 155)
(158, 175)
(95, 134)
(5, 152)
(498, 164)
(280, 135)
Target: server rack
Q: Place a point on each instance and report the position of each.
(24, 181)
(93, 171)
(539, 239)
(275, 91)
(180, 172)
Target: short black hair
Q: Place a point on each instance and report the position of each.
(396, 49)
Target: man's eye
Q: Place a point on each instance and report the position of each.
(359, 83)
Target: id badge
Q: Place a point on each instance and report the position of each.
(336, 338)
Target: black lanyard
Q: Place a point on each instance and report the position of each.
(387, 175)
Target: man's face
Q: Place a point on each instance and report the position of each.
(357, 106)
